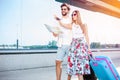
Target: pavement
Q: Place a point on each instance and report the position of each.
(118, 69)
(47, 73)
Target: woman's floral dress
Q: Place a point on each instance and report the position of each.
(78, 61)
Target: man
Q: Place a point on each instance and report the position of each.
(64, 39)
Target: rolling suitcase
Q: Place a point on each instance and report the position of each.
(104, 68)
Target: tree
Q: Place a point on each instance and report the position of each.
(52, 44)
(95, 45)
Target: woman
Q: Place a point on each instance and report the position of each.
(78, 61)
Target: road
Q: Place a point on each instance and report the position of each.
(48, 73)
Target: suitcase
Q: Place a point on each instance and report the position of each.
(104, 68)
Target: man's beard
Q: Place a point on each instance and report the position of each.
(64, 14)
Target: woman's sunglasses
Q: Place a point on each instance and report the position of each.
(74, 14)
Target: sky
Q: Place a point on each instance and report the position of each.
(24, 20)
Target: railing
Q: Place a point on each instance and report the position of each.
(23, 51)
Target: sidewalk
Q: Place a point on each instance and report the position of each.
(118, 69)
(36, 74)
(44, 73)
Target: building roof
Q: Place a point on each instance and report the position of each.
(109, 7)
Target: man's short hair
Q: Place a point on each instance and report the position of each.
(65, 4)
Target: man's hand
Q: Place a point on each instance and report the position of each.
(57, 18)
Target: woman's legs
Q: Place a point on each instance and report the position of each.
(69, 77)
(80, 77)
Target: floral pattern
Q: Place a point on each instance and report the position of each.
(78, 61)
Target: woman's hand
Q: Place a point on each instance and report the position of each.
(90, 53)
(55, 35)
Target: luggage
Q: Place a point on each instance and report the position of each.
(104, 68)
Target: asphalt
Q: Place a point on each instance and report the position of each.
(45, 73)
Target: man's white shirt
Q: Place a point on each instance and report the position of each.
(65, 37)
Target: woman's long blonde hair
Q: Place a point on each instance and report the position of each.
(79, 21)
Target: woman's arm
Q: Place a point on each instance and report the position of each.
(68, 26)
(86, 34)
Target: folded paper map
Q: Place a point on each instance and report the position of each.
(53, 29)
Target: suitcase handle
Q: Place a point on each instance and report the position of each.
(91, 56)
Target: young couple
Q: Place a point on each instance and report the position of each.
(73, 42)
